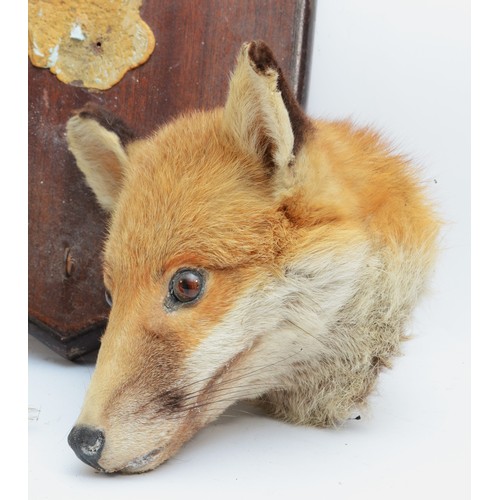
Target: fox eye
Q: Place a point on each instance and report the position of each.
(108, 298)
(187, 285)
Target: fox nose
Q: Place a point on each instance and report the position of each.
(87, 443)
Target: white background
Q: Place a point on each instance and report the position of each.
(402, 66)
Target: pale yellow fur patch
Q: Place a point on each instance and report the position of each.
(100, 156)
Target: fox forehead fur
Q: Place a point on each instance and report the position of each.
(302, 246)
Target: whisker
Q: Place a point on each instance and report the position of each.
(223, 392)
(231, 392)
(178, 416)
(219, 391)
(195, 394)
(307, 333)
(244, 412)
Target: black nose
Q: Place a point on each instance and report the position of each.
(87, 443)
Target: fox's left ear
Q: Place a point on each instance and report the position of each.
(261, 112)
(98, 140)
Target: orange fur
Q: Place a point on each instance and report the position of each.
(315, 243)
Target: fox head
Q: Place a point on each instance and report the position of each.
(240, 265)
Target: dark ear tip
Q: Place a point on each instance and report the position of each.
(88, 109)
(106, 119)
(262, 56)
(96, 112)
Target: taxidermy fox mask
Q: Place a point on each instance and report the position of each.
(253, 253)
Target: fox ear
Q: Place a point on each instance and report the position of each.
(97, 139)
(261, 111)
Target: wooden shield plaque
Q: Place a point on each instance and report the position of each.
(196, 45)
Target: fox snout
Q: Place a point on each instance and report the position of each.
(87, 443)
(253, 254)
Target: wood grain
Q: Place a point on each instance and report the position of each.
(197, 41)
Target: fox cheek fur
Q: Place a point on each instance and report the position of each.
(253, 253)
